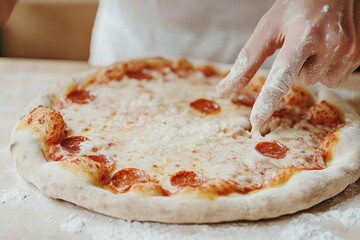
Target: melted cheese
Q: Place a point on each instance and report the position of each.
(150, 125)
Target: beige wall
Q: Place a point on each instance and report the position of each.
(50, 29)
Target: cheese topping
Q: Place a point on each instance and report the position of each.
(174, 132)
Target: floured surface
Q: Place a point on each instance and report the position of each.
(336, 218)
(25, 206)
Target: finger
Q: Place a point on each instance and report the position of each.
(261, 45)
(285, 69)
(312, 71)
(316, 67)
(323, 68)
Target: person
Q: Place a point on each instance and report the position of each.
(205, 29)
(318, 41)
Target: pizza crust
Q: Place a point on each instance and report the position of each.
(303, 190)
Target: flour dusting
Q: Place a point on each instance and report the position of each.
(275, 87)
(325, 9)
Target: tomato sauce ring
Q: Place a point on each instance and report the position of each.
(205, 106)
(80, 96)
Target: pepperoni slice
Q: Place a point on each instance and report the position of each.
(298, 96)
(80, 96)
(324, 113)
(181, 65)
(246, 100)
(125, 178)
(45, 122)
(116, 72)
(188, 178)
(106, 161)
(272, 149)
(55, 152)
(205, 106)
(139, 75)
(207, 70)
(73, 143)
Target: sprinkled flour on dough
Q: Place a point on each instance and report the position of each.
(310, 224)
(24, 194)
(325, 9)
(277, 85)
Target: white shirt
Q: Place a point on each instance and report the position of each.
(214, 30)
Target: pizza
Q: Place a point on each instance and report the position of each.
(149, 140)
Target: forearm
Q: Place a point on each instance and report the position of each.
(6, 7)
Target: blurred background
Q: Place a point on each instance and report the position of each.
(49, 29)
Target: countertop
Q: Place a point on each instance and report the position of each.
(25, 213)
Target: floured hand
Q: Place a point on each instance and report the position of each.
(319, 41)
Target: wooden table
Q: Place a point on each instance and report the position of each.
(26, 213)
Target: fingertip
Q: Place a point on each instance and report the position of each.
(254, 121)
(255, 133)
(236, 78)
(219, 90)
(227, 85)
(263, 108)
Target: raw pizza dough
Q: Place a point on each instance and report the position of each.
(303, 190)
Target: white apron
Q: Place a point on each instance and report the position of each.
(214, 30)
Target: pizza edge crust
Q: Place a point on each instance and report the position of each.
(304, 190)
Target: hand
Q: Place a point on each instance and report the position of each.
(319, 42)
